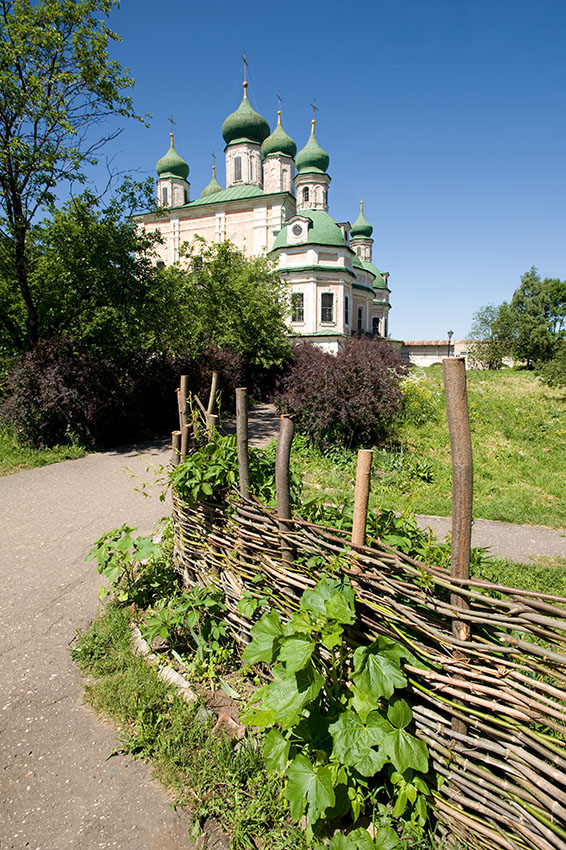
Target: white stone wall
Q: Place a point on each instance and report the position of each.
(278, 174)
(250, 164)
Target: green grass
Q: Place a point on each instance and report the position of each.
(544, 575)
(15, 456)
(518, 437)
(207, 773)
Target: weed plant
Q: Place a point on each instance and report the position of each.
(210, 774)
(16, 455)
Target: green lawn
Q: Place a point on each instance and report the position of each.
(518, 436)
(14, 456)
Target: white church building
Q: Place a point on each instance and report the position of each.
(276, 202)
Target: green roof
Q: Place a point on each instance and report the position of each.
(172, 165)
(361, 226)
(362, 286)
(369, 267)
(312, 157)
(279, 141)
(234, 193)
(245, 123)
(342, 270)
(213, 187)
(324, 231)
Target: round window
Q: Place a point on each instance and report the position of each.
(297, 229)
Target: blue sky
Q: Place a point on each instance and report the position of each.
(447, 117)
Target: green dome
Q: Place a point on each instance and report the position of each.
(172, 164)
(324, 231)
(279, 141)
(361, 226)
(213, 187)
(312, 157)
(245, 123)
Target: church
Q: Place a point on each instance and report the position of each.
(276, 202)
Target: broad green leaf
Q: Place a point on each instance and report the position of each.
(354, 741)
(332, 635)
(405, 750)
(296, 651)
(399, 714)
(265, 639)
(289, 696)
(299, 622)
(374, 677)
(342, 842)
(276, 751)
(308, 785)
(387, 839)
(362, 839)
(315, 599)
(341, 607)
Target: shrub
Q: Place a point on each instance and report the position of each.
(351, 399)
(60, 393)
(421, 401)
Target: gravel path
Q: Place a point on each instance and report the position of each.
(58, 786)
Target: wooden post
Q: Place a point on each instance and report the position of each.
(282, 487)
(361, 498)
(242, 440)
(211, 422)
(462, 489)
(185, 440)
(175, 447)
(212, 397)
(182, 397)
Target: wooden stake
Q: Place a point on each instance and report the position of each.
(242, 440)
(211, 422)
(462, 489)
(175, 447)
(282, 485)
(212, 397)
(185, 440)
(361, 498)
(183, 396)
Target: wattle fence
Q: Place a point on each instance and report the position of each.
(490, 698)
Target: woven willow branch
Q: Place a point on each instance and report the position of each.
(506, 778)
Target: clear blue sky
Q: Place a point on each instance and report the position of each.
(447, 117)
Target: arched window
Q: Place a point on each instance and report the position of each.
(164, 195)
(238, 168)
(305, 195)
(360, 319)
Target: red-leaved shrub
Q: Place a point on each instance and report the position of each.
(351, 399)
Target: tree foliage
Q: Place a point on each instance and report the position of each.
(58, 87)
(526, 328)
(233, 302)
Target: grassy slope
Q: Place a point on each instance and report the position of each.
(518, 435)
(14, 457)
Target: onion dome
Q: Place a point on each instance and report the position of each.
(312, 157)
(172, 165)
(213, 187)
(279, 141)
(245, 123)
(361, 226)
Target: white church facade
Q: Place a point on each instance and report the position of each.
(276, 202)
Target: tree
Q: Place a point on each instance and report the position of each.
(58, 87)
(490, 335)
(233, 302)
(539, 311)
(527, 328)
(553, 372)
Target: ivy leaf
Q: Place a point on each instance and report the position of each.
(265, 639)
(289, 695)
(387, 839)
(256, 713)
(276, 752)
(296, 652)
(399, 713)
(405, 750)
(308, 785)
(300, 622)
